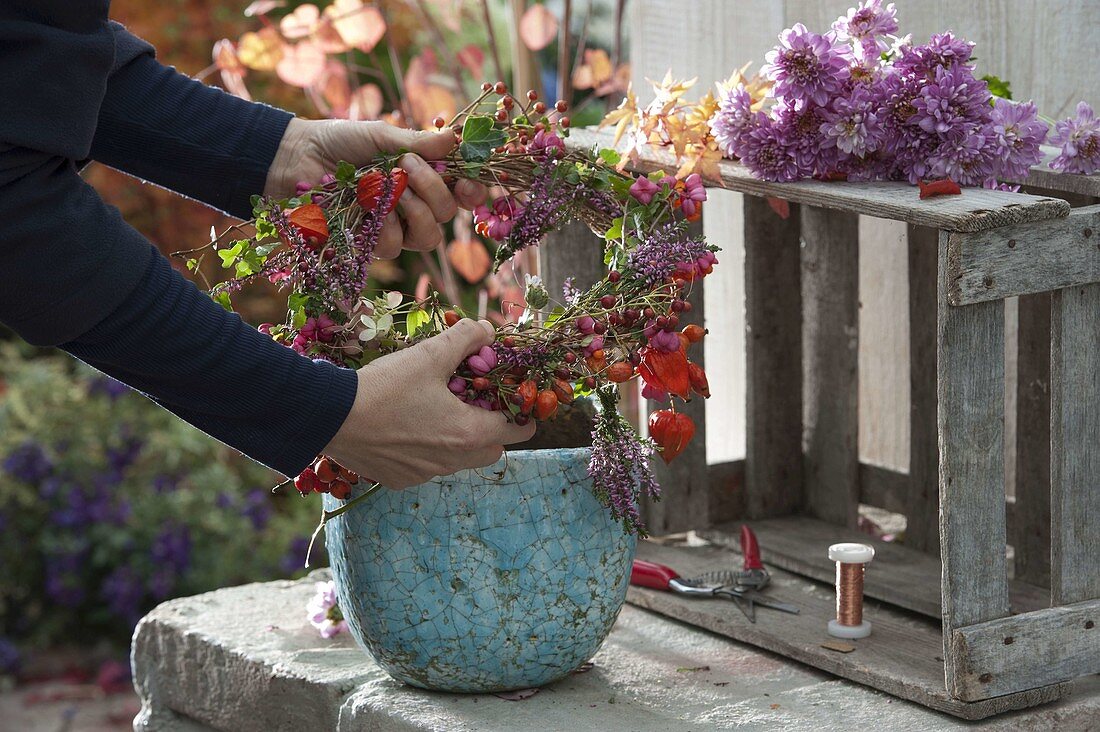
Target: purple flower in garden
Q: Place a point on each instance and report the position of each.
(123, 593)
(63, 581)
(867, 26)
(1079, 138)
(172, 548)
(852, 125)
(123, 457)
(323, 612)
(161, 584)
(643, 189)
(952, 104)
(1016, 132)
(769, 155)
(108, 387)
(943, 51)
(28, 463)
(223, 501)
(164, 483)
(806, 66)
(257, 508)
(733, 119)
(295, 555)
(10, 658)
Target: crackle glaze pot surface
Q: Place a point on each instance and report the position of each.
(473, 583)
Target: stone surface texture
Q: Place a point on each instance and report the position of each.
(244, 659)
(504, 578)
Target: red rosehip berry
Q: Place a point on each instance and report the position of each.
(486, 86)
(608, 301)
(438, 123)
(340, 489)
(648, 313)
(508, 102)
(451, 318)
(508, 342)
(561, 105)
(325, 470)
(590, 382)
(564, 123)
(501, 116)
(599, 327)
(613, 276)
(500, 87)
(480, 383)
(532, 95)
(562, 373)
(306, 481)
(687, 306)
(677, 306)
(570, 357)
(521, 419)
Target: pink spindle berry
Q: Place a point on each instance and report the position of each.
(489, 356)
(457, 385)
(586, 325)
(478, 366)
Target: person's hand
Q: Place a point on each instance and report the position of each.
(406, 427)
(311, 148)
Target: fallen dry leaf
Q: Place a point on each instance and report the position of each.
(781, 206)
(359, 25)
(261, 50)
(470, 259)
(302, 64)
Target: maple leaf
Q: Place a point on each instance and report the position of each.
(622, 116)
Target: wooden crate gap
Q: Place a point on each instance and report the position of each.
(903, 655)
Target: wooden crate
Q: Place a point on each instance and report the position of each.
(1004, 644)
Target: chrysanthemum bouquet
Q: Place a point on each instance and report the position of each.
(319, 245)
(859, 103)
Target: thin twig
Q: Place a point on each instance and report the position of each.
(565, 86)
(327, 516)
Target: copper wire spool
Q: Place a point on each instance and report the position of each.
(850, 562)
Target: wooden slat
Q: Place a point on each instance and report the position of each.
(571, 251)
(726, 483)
(773, 360)
(685, 493)
(1025, 259)
(970, 380)
(1026, 651)
(976, 209)
(908, 578)
(922, 512)
(1031, 535)
(1042, 176)
(901, 657)
(830, 363)
(1075, 444)
(883, 488)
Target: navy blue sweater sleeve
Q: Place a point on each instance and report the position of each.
(159, 125)
(72, 273)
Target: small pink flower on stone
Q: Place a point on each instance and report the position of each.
(323, 612)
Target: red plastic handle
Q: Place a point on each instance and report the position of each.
(652, 575)
(750, 548)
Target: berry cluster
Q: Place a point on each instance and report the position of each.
(326, 476)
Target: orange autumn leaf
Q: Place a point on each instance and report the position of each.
(595, 70)
(781, 206)
(470, 259)
(538, 27)
(310, 220)
(262, 50)
(301, 22)
(472, 59)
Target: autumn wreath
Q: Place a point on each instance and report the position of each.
(319, 246)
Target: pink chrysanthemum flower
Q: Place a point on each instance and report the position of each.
(807, 66)
(733, 119)
(867, 26)
(1079, 138)
(852, 125)
(323, 612)
(1017, 132)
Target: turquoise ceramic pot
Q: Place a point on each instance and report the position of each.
(476, 584)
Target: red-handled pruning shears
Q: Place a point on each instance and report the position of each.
(741, 587)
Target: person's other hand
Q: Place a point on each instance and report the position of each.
(406, 427)
(311, 148)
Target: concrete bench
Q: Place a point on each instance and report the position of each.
(244, 658)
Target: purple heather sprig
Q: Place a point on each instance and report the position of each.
(620, 466)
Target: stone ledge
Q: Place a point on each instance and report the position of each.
(244, 659)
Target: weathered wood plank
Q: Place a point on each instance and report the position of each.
(685, 492)
(970, 390)
(883, 488)
(773, 360)
(1041, 176)
(901, 657)
(726, 483)
(976, 209)
(1025, 259)
(571, 251)
(922, 511)
(830, 363)
(1031, 534)
(1026, 651)
(800, 544)
(1075, 444)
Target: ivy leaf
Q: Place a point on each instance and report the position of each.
(264, 228)
(192, 265)
(610, 156)
(616, 230)
(998, 87)
(479, 138)
(345, 173)
(299, 318)
(222, 298)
